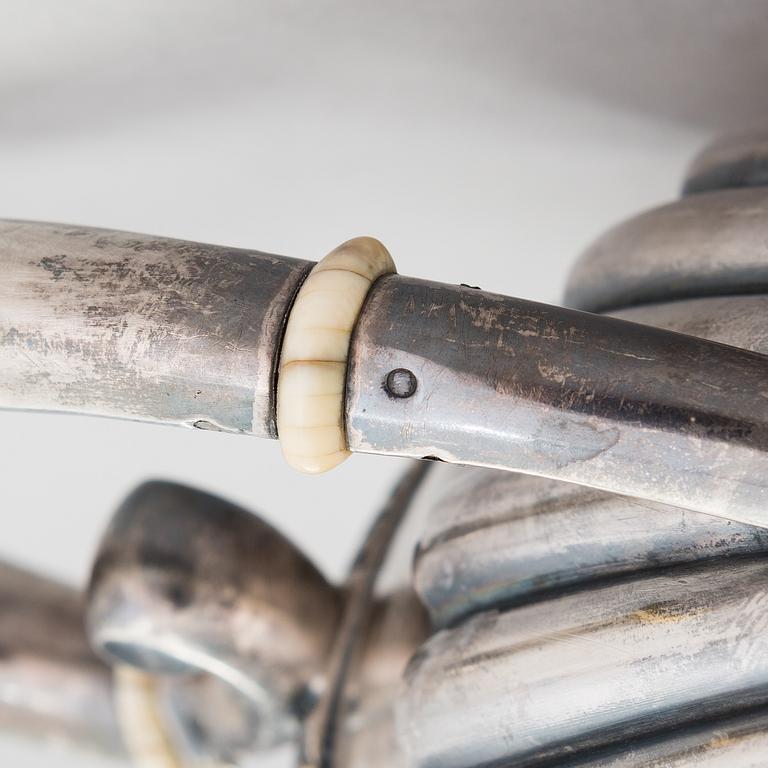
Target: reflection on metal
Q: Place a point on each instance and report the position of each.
(497, 539)
(511, 384)
(702, 245)
(140, 327)
(597, 667)
(735, 161)
(185, 582)
(737, 742)
(603, 630)
(546, 624)
(132, 326)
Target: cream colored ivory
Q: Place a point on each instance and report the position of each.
(141, 722)
(313, 359)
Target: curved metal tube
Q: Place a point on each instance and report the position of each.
(495, 538)
(141, 327)
(702, 245)
(737, 742)
(610, 652)
(590, 669)
(593, 400)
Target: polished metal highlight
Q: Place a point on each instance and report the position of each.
(515, 385)
(736, 742)
(582, 629)
(595, 668)
(491, 618)
(141, 327)
(496, 540)
(132, 326)
(702, 245)
(185, 582)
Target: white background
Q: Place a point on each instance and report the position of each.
(485, 143)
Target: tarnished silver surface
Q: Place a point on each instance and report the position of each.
(590, 669)
(703, 245)
(367, 734)
(352, 661)
(516, 385)
(135, 326)
(494, 538)
(52, 686)
(577, 627)
(738, 742)
(186, 582)
(141, 327)
(734, 161)
(587, 630)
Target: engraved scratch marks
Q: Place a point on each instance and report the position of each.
(138, 326)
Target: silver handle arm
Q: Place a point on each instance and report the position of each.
(590, 399)
(139, 327)
(164, 330)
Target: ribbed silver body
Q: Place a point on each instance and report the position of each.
(580, 628)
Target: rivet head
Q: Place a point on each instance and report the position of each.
(400, 383)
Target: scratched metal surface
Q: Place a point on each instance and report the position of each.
(584, 670)
(127, 325)
(703, 245)
(494, 538)
(135, 326)
(516, 385)
(736, 742)
(591, 630)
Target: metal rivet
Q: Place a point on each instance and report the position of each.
(400, 383)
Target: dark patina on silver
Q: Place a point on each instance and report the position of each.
(617, 620)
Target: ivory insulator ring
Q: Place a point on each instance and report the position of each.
(313, 359)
